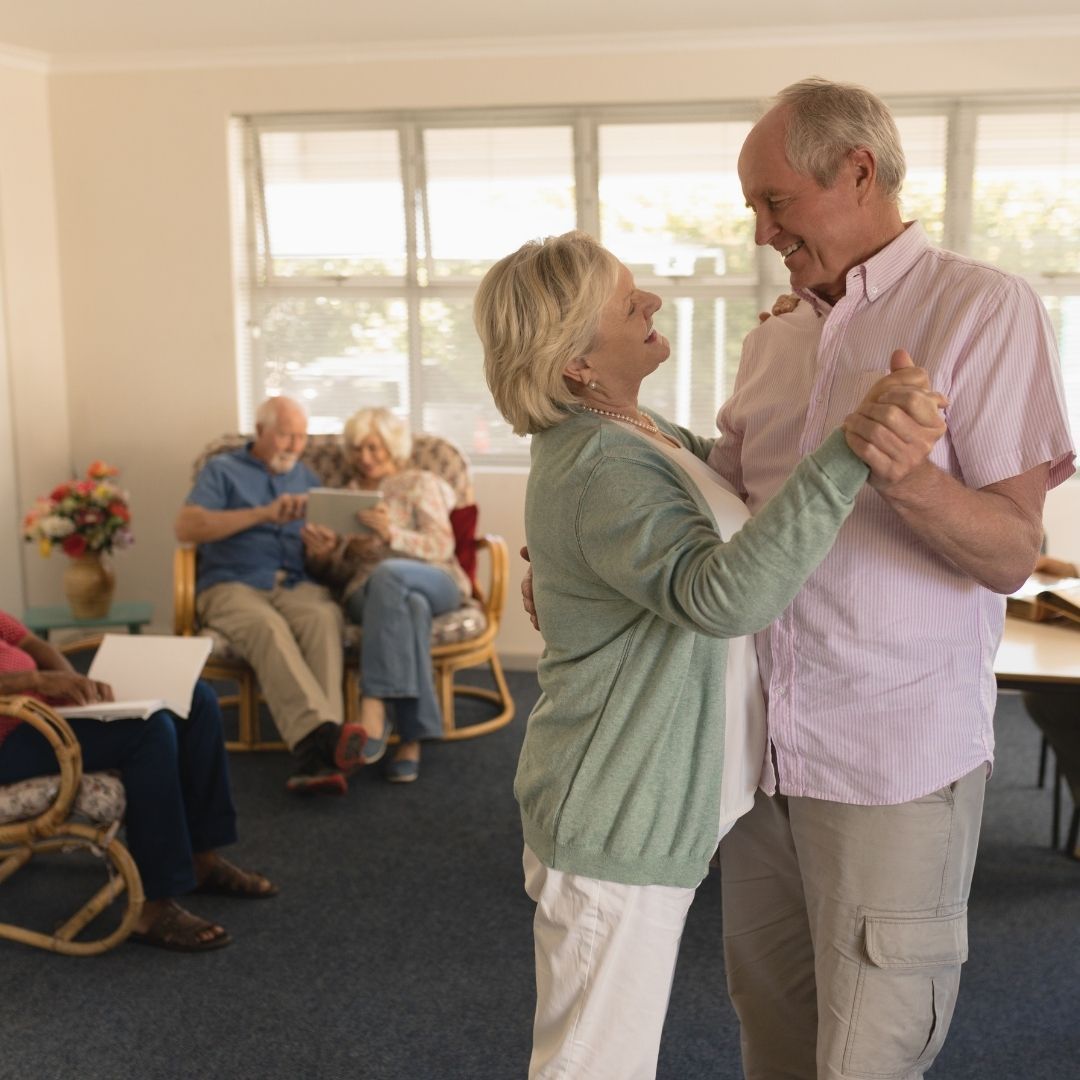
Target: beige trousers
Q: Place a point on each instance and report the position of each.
(844, 931)
(292, 639)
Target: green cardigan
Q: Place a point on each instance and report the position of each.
(620, 770)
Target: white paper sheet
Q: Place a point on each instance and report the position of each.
(143, 668)
(112, 710)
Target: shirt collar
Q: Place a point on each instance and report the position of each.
(253, 461)
(874, 277)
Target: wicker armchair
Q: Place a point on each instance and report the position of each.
(37, 815)
(460, 639)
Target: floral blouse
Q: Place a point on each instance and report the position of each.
(419, 505)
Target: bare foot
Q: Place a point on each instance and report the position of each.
(216, 875)
(166, 924)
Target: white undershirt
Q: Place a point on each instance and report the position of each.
(744, 734)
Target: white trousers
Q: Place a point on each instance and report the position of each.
(605, 959)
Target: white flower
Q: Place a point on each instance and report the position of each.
(55, 527)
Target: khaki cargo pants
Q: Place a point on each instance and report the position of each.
(844, 931)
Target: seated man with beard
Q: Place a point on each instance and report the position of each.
(245, 512)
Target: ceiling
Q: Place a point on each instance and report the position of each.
(67, 30)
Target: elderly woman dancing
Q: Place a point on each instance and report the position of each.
(648, 738)
(393, 577)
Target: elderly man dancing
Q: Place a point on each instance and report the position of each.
(846, 886)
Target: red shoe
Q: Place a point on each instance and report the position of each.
(323, 782)
(316, 770)
(348, 754)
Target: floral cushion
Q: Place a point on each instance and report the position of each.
(100, 798)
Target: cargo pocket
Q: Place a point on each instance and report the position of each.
(906, 992)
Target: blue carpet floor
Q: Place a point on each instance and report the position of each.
(400, 946)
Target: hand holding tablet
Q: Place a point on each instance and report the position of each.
(336, 508)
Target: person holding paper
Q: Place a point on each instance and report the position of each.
(245, 513)
(176, 778)
(649, 578)
(394, 573)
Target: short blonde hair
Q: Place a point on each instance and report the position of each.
(827, 120)
(535, 311)
(381, 422)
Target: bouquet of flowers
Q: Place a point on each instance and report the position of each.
(82, 516)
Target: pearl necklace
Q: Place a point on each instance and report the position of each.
(650, 427)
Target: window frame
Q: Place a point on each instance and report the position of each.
(257, 289)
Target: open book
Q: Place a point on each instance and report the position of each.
(1042, 597)
(147, 672)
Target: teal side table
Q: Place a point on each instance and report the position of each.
(134, 614)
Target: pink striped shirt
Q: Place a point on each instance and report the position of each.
(879, 676)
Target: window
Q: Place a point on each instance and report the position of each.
(363, 239)
(1026, 215)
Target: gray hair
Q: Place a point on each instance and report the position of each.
(827, 120)
(535, 311)
(266, 415)
(391, 429)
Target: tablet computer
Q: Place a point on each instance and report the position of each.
(336, 508)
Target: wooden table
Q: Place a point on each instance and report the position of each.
(1035, 656)
(134, 614)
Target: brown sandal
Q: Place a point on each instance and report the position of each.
(226, 879)
(178, 929)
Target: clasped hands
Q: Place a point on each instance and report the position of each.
(893, 430)
(896, 425)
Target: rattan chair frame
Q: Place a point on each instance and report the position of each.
(53, 831)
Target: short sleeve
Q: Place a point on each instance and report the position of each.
(725, 454)
(211, 488)
(1007, 409)
(11, 630)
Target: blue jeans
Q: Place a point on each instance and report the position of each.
(176, 776)
(395, 607)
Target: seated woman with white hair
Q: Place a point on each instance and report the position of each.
(393, 578)
(649, 576)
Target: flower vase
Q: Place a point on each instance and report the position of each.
(88, 584)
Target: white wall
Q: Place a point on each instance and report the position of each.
(143, 203)
(34, 424)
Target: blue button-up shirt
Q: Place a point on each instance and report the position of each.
(238, 480)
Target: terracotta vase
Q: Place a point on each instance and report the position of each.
(88, 584)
